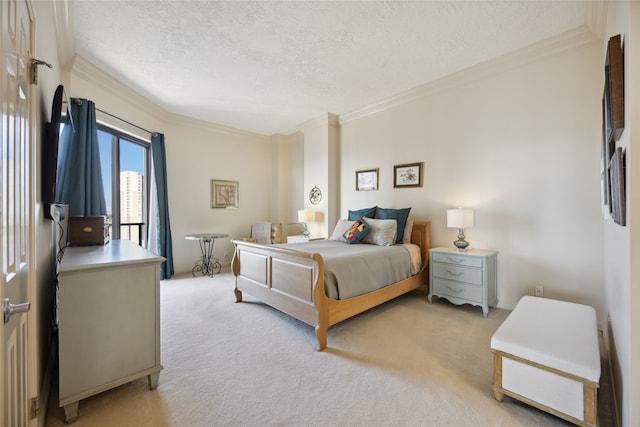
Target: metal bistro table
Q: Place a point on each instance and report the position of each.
(207, 264)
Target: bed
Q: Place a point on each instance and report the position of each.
(292, 280)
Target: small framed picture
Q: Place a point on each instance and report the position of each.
(618, 202)
(407, 175)
(224, 194)
(367, 180)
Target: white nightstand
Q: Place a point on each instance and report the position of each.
(464, 277)
(302, 239)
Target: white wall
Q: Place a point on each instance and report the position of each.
(619, 242)
(198, 152)
(321, 161)
(517, 139)
(633, 193)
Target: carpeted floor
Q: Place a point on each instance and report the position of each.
(405, 363)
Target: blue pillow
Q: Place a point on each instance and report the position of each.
(358, 230)
(400, 215)
(368, 212)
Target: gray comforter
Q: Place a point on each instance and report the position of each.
(352, 270)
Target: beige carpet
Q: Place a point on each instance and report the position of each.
(405, 363)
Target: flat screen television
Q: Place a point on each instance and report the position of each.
(52, 132)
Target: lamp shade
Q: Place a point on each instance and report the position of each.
(461, 218)
(305, 216)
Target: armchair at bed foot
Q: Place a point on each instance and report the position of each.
(265, 233)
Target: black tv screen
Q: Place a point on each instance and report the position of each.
(53, 129)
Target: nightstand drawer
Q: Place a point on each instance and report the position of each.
(454, 272)
(452, 258)
(457, 289)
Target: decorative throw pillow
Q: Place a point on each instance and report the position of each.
(368, 212)
(383, 231)
(341, 227)
(357, 232)
(400, 215)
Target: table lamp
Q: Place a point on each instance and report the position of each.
(304, 217)
(460, 219)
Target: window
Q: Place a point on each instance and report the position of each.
(125, 174)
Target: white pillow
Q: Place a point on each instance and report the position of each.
(383, 232)
(406, 238)
(341, 227)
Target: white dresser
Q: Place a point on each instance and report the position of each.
(109, 319)
(464, 277)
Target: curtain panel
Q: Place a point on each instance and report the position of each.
(159, 225)
(79, 177)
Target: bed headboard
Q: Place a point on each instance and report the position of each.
(421, 236)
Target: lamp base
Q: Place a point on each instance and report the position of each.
(305, 231)
(461, 244)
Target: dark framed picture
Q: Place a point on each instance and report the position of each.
(608, 146)
(614, 89)
(407, 175)
(618, 199)
(224, 194)
(367, 180)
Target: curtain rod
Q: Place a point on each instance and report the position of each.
(125, 121)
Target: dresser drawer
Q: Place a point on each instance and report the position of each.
(454, 272)
(451, 258)
(457, 289)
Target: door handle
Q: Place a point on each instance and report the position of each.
(10, 309)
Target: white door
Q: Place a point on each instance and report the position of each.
(16, 207)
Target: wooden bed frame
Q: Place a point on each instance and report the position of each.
(293, 282)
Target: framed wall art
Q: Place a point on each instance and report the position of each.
(607, 151)
(614, 89)
(224, 194)
(618, 198)
(407, 175)
(367, 180)
(612, 169)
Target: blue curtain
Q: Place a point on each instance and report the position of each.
(163, 228)
(79, 178)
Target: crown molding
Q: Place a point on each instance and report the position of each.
(63, 23)
(325, 119)
(596, 17)
(85, 70)
(535, 52)
(192, 123)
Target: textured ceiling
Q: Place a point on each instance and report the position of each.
(267, 67)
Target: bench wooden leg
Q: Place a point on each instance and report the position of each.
(590, 404)
(497, 377)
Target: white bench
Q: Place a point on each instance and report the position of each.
(546, 354)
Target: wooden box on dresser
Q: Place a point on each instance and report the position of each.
(464, 277)
(109, 320)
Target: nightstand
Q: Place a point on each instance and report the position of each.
(302, 239)
(464, 277)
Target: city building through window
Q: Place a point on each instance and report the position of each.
(125, 164)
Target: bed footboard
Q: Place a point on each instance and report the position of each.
(291, 281)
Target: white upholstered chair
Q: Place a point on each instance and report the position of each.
(265, 233)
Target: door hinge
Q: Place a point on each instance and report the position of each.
(34, 69)
(35, 407)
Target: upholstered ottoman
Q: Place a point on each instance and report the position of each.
(546, 354)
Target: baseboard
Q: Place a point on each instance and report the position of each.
(608, 357)
(45, 392)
